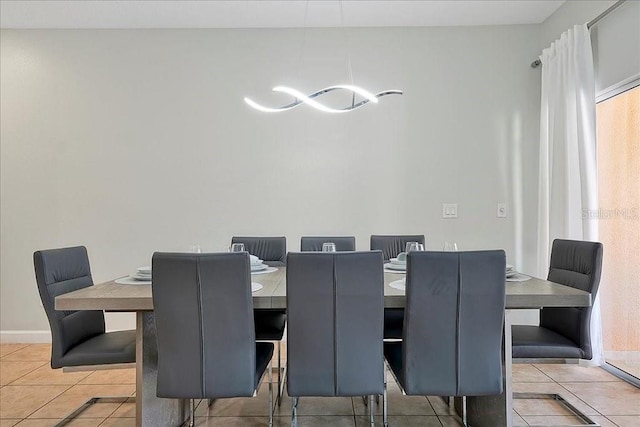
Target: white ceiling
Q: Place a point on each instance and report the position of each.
(269, 14)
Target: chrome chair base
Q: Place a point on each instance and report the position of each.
(553, 396)
(86, 405)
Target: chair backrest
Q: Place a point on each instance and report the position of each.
(453, 324)
(335, 305)
(577, 264)
(204, 322)
(272, 250)
(391, 246)
(314, 243)
(59, 271)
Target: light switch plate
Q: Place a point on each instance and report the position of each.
(449, 210)
(502, 210)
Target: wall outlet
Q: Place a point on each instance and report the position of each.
(449, 210)
(502, 210)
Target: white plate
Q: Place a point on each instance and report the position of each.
(144, 270)
(258, 262)
(128, 280)
(141, 277)
(259, 267)
(509, 267)
(265, 271)
(399, 267)
(255, 287)
(511, 273)
(398, 284)
(397, 262)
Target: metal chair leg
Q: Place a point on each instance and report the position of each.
(365, 400)
(271, 405)
(294, 412)
(385, 419)
(372, 421)
(192, 415)
(464, 411)
(115, 399)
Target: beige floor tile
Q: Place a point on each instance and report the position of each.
(606, 422)
(576, 373)
(111, 376)
(71, 399)
(552, 420)
(410, 421)
(119, 422)
(6, 349)
(9, 422)
(397, 404)
(126, 410)
(39, 352)
(21, 401)
(518, 420)
(43, 422)
(331, 406)
(255, 422)
(625, 421)
(317, 421)
(440, 406)
(449, 421)
(608, 398)
(45, 375)
(553, 388)
(13, 370)
(528, 374)
(546, 407)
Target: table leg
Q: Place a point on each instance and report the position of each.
(497, 410)
(150, 409)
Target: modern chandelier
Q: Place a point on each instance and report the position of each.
(301, 98)
(310, 100)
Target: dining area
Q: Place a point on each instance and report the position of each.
(319, 213)
(349, 318)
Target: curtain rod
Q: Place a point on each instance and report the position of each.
(590, 24)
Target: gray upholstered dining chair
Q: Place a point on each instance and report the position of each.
(453, 326)
(78, 338)
(391, 246)
(269, 323)
(563, 333)
(335, 304)
(314, 243)
(196, 297)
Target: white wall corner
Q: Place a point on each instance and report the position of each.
(25, 337)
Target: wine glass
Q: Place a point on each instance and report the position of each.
(328, 247)
(450, 247)
(411, 246)
(420, 247)
(237, 247)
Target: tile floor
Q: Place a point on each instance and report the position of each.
(32, 394)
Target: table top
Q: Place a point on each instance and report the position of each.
(534, 293)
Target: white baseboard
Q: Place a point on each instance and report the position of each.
(27, 337)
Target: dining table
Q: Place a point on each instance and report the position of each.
(151, 410)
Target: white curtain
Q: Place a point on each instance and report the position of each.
(567, 189)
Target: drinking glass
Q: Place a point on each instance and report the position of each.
(328, 247)
(195, 249)
(411, 246)
(420, 247)
(450, 247)
(237, 247)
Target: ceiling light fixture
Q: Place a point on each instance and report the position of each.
(301, 98)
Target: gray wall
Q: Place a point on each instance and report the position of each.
(131, 141)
